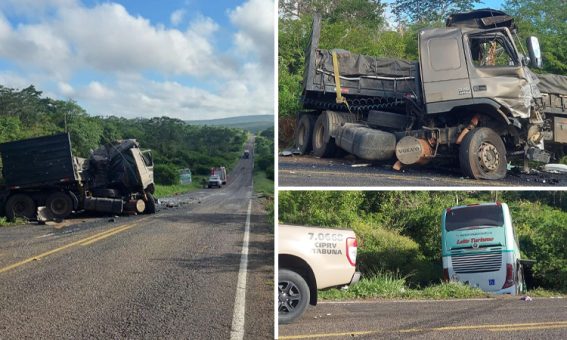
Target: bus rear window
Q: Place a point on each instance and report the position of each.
(477, 216)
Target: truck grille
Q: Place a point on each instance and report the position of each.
(478, 263)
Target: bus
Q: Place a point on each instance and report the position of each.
(480, 248)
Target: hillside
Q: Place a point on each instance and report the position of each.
(251, 123)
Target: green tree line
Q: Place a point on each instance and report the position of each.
(401, 231)
(174, 143)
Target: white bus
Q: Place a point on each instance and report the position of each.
(479, 248)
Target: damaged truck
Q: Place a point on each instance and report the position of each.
(43, 172)
(470, 98)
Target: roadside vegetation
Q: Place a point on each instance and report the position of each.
(400, 236)
(264, 163)
(175, 144)
(360, 26)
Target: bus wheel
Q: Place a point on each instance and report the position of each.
(20, 205)
(482, 155)
(304, 133)
(59, 204)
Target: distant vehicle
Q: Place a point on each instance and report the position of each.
(480, 248)
(42, 171)
(221, 172)
(246, 154)
(185, 176)
(310, 259)
(214, 181)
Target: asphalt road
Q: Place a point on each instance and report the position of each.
(299, 171)
(170, 275)
(497, 318)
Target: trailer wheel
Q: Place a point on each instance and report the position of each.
(150, 204)
(304, 133)
(324, 132)
(293, 296)
(482, 155)
(20, 205)
(59, 204)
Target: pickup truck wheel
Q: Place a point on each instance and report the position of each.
(59, 204)
(482, 155)
(20, 205)
(293, 296)
(150, 204)
(304, 133)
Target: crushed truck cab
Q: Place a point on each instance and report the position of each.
(471, 96)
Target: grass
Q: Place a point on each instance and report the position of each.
(171, 190)
(263, 184)
(387, 286)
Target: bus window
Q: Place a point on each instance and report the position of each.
(474, 217)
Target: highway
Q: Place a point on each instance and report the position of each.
(495, 318)
(304, 171)
(188, 272)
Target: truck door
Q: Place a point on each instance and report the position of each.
(443, 68)
(496, 72)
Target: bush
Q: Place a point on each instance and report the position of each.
(166, 174)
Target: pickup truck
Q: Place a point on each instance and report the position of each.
(214, 181)
(311, 259)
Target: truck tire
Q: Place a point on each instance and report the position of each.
(293, 296)
(482, 155)
(150, 204)
(324, 132)
(59, 204)
(20, 205)
(304, 133)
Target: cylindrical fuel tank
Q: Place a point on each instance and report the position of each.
(101, 204)
(366, 143)
(411, 150)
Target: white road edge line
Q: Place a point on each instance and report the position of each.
(237, 329)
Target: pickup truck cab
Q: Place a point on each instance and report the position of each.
(214, 181)
(311, 259)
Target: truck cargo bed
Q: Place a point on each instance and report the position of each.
(38, 161)
(366, 82)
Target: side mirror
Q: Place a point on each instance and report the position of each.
(534, 51)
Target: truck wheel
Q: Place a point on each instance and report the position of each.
(20, 205)
(482, 155)
(293, 296)
(150, 204)
(323, 145)
(59, 204)
(304, 133)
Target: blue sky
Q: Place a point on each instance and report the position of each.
(188, 59)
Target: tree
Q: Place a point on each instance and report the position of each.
(546, 19)
(420, 11)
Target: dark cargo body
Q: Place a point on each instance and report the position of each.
(38, 161)
(42, 171)
(368, 81)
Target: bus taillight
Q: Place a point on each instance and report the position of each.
(509, 276)
(351, 246)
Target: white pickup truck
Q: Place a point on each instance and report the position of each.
(311, 259)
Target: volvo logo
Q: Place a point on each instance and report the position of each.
(475, 245)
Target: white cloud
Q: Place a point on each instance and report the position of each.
(255, 22)
(115, 51)
(177, 17)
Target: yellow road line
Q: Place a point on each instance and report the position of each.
(84, 241)
(492, 328)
